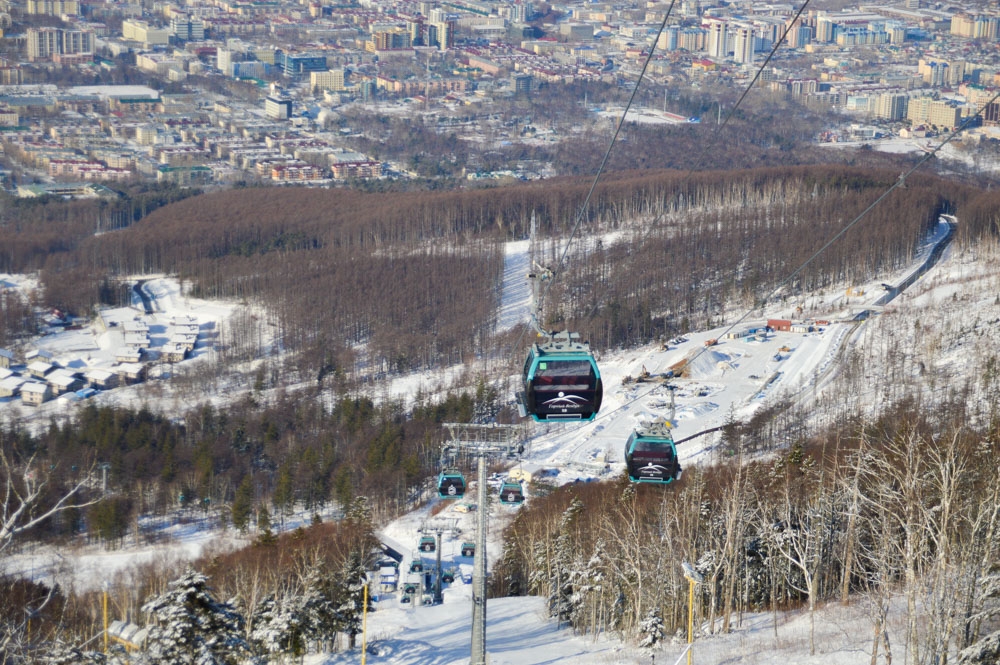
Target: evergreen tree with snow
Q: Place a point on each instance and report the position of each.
(278, 627)
(588, 584)
(59, 653)
(350, 603)
(192, 627)
(320, 619)
(562, 600)
(652, 629)
(984, 652)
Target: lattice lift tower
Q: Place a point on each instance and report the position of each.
(483, 441)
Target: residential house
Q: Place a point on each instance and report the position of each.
(137, 340)
(6, 358)
(38, 354)
(130, 373)
(34, 393)
(39, 369)
(102, 379)
(11, 386)
(64, 381)
(173, 353)
(185, 340)
(128, 356)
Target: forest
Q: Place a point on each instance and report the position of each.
(867, 512)
(831, 513)
(413, 277)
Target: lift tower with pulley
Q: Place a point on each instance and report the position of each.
(484, 442)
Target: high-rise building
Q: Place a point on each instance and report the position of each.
(824, 29)
(224, 61)
(743, 44)
(692, 39)
(891, 106)
(188, 28)
(76, 41)
(331, 80)
(718, 39)
(53, 7)
(278, 108)
(442, 33)
(669, 39)
(42, 43)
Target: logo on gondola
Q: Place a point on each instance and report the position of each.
(452, 490)
(653, 470)
(564, 401)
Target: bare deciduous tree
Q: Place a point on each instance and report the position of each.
(25, 490)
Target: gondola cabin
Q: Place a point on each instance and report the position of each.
(451, 484)
(468, 549)
(426, 544)
(651, 456)
(416, 566)
(511, 492)
(561, 381)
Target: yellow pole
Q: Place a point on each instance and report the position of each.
(105, 620)
(690, 617)
(364, 627)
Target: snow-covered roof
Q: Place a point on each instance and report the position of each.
(99, 374)
(12, 383)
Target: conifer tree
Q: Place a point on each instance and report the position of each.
(242, 506)
(192, 627)
(651, 628)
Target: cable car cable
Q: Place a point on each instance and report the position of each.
(600, 169)
(607, 154)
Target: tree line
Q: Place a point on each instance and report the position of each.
(397, 281)
(234, 464)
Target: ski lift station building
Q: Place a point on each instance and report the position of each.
(388, 578)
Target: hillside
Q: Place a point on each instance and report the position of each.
(917, 374)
